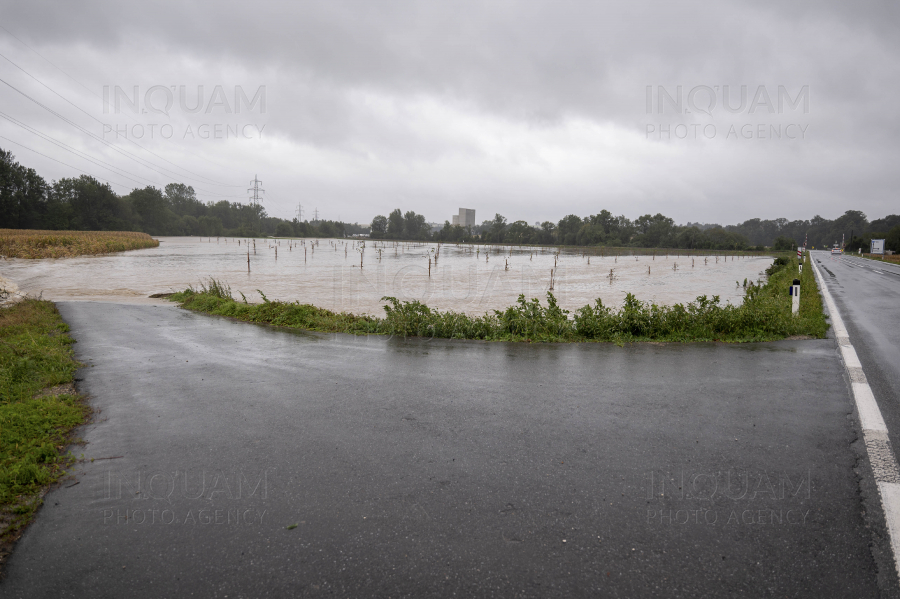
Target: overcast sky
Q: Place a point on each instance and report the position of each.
(531, 109)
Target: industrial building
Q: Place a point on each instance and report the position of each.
(465, 218)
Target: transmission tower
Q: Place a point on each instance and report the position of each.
(316, 215)
(299, 212)
(256, 189)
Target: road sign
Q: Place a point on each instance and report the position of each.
(878, 246)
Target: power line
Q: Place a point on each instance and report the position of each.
(208, 182)
(48, 61)
(84, 155)
(59, 161)
(72, 150)
(125, 153)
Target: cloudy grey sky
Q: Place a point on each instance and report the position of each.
(531, 109)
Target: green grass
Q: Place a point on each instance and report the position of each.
(765, 315)
(35, 353)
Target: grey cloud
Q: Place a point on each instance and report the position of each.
(529, 67)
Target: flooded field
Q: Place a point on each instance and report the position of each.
(327, 273)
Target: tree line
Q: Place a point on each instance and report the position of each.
(83, 203)
(651, 231)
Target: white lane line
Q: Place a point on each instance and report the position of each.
(875, 433)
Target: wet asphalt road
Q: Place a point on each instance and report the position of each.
(259, 462)
(867, 294)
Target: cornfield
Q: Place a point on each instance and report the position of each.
(27, 243)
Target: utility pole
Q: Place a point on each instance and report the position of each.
(256, 189)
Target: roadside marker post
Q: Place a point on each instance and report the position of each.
(795, 296)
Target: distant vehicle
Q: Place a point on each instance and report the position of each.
(836, 249)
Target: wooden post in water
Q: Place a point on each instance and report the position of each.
(248, 259)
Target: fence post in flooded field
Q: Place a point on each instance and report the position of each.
(248, 259)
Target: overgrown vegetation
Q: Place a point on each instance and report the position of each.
(35, 422)
(895, 258)
(764, 315)
(27, 243)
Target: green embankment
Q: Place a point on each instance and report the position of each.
(35, 353)
(765, 315)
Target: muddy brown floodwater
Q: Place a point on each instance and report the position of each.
(326, 273)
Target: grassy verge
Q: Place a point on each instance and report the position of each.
(35, 422)
(27, 243)
(765, 315)
(894, 258)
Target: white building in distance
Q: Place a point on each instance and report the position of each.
(465, 218)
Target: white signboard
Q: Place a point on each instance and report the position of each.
(878, 246)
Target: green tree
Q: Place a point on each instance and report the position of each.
(783, 243)
(23, 195)
(567, 229)
(183, 200)
(414, 225)
(153, 209)
(92, 206)
(395, 224)
(379, 227)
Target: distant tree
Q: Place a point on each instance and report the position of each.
(547, 232)
(520, 232)
(496, 228)
(183, 200)
(379, 227)
(153, 209)
(395, 224)
(414, 225)
(94, 206)
(892, 240)
(654, 231)
(210, 226)
(567, 229)
(23, 195)
(783, 243)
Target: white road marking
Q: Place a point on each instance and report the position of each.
(878, 446)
